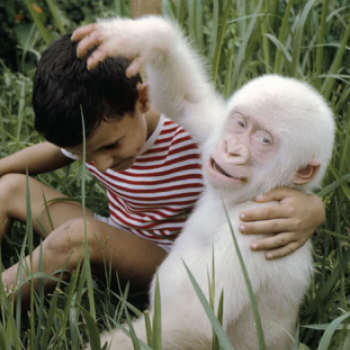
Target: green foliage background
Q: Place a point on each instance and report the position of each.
(239, 40)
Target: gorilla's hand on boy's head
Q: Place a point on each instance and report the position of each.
(93, 36)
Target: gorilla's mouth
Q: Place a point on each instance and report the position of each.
(218, 168)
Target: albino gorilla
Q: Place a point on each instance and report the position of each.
(273, 132)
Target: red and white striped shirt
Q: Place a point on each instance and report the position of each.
(153, 198)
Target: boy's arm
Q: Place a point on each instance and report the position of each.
(292, 221)
(39, 158)
(178, 85)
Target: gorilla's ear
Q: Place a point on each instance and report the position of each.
(306, 174)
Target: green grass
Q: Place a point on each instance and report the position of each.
(239, 40)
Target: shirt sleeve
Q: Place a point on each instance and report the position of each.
(69, 154)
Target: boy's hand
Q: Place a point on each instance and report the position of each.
(293, 221)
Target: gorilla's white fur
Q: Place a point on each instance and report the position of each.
(305, 129)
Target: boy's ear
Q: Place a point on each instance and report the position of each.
(306, 174)
(143, 98)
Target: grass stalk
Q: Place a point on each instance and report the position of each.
(239, 71)
(42, 29)
(327, 336)
(298, 37)
(265, 42)
(55, 15)
(330, 80)
(254, 304)
(222, 337)
(86, 264)
(219, 45)
(281, 50)
(157, 312)
(319, 49)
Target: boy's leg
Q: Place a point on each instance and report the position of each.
(13, 204)
(134, 258)
(13, 207)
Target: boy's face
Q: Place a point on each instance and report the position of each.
(115, 144)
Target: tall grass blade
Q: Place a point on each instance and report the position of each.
(328, 334)
(323, 327)
(281, 39)
(211, 295)
(334, 170)
(41, 299)
(229, 70)
(282, 51)
(86, 264)
(148, 325)
(223, 339)
(3, 138)
(130, 306)
(21, 104)
(345, 156)
(329, 82)
(214, 30)
(330, 188)
(254, 304)
(320, 40)
(48, 214)
(31, 269)
(298, 36)
(94, 334)
(296, 338)
(4, 340)
(220, 318)
(181, 12)
(346, 343)
(69, 298)
(128, 333)
(211, 282)
(74, 313)
(133, 335)
(219, 44)
(157, 318)
(265, 42)
(242, 52)
(43, 31)
(332, 280)
(195, 24)
(12, 138)
(53, 9)
(19, 281)
(46, 336)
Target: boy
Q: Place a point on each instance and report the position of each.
(149, 165)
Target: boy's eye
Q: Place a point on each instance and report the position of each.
(112, 146)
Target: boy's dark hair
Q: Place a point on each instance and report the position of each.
(64, 89)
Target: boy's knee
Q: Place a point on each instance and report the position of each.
(12, 194)
(12, 185)
(70, 237)
(65, 244)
